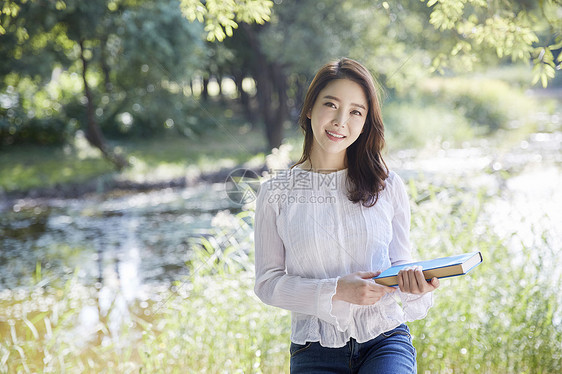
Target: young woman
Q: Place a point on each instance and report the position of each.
(327, 226)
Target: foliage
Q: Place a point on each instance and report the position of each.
(486, 103)
(38, 114)
(151, 51)
(137, 75)
(141, 58)
(456, 109)
(411, 124)
(39, 131)
(522, 30)
(395, 40)
(384, 37)
(221, 17)
(145, 60)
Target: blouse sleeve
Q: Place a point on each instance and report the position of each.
(414, 306)
(277, 288)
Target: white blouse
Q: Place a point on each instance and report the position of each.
(308, 234)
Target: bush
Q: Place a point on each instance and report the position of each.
(485, 103)
(455, 110)
(41, 131)
(412, 125)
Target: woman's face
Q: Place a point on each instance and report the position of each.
(337, 117)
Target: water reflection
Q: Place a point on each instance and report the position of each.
(115, 247)
(127, 239)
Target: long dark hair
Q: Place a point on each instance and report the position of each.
(367, 170)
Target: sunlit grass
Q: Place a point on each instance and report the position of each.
(504, 303)
(26, 167)
(157, 159)
(211, 322)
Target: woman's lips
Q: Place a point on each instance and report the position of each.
(334, 136)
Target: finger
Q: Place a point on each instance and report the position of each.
(406, 280)
(410, 281)
(420, 279)
(368, 274)
(416, 281)
(435, 282)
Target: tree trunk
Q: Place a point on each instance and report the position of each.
(244, 98)
(271, 92)
(280, 85)
(205, 89)
(93, 131)
(104, 66)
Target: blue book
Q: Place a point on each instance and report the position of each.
(440, 267)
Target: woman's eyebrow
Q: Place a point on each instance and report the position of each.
(330, 97)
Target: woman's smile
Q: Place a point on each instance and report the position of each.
(334, 136)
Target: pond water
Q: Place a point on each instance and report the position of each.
(138, 239)
(135, 238)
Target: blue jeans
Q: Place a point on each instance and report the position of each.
(391, 352)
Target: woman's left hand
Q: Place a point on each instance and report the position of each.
(412, 280)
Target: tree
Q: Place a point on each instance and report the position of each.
(283, 54)
(523, 30)
(68, 33)
(275, 55)
(124, 51)
(398, 41)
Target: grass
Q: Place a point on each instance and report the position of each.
(26, 167)
(161, 158)
(211, 322)
(478, 319)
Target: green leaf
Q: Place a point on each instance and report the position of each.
(536, 74)
(549, 71)
(556, 46)
(544, 80)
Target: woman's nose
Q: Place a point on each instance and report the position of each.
(340, 118)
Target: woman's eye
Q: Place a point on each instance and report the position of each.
(356, 113)
(331, 105)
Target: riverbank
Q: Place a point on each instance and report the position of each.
(77, 169)
(116, 183)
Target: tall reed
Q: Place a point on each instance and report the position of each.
(504, 317)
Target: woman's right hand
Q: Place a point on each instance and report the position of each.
(360, 288)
